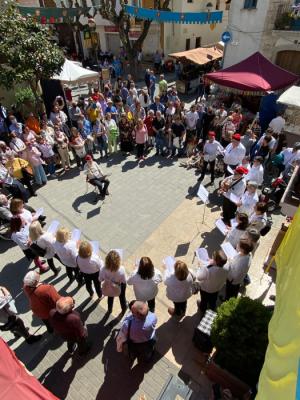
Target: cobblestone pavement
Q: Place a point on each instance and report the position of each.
(152, 210)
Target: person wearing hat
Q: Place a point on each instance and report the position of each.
(111, 109)
(138, 330)
(42, 297)
(249, 199)
(232, 188)
(95, 175)
(67, 323)
(234, 153)
(210, 151)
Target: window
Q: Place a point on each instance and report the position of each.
(250, 4)
(227, 5)
(198, 42)
(187, 44)
(218, 5)
(190, 1)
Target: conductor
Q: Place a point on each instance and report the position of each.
(95, 176)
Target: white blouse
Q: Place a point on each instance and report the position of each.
(67, 252)
(90, 265)
(118, 276)
(46, 241)
(145, 289)
(21, 238)
(178, 291)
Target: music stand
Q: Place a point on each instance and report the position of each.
(203, 196)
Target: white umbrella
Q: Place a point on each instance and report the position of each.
(291, 97)
(73, 73)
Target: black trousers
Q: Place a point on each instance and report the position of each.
(122, 298)
(101, 183)
(74, 273)
(17, 190)
(212, 169)
(48, 326)
(226, 172)
(26, 180)
(151, 305)
(82, 345)
(140, 149)
(52, 266)
(229, 210)
(208, 300)
(143, 351)
(231, 290)
(180, 308)
(92, 278)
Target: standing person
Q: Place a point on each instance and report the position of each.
(144, 99)
(238, 268)
(10, 319)
(112, 132)
(101, 139)
(62, 141)
(141, 136)
(162, 85)
(236, 185)
(20, 235)
(42, 297)
(158, 126)
(149, 124)
(178, 131)
(179, 288)
(249, 199)
(48, 155)
(157, 105)
(33, 156)
(67, 323)
(138, 330)
(147, 78)
(44, 241)
(89, 264)
(234, 153)
(207, 121)
(191, 119)
(277, 124)
(113, 276)
(78, 144)
(228, 129)
(95, 176)
(157, 61)
(235, 234)
(200, 89)
(256, 172)
(145, 280)
(212, 279)
(67, 251)
(126, 138)
(152, 85)
(258, 219)
(210, 151)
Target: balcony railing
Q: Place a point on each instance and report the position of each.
(287, 19)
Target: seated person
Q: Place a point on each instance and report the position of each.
(95, 176)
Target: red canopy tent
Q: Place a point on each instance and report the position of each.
(254, 74)
(16, 382)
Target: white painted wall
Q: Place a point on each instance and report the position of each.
(246, 27)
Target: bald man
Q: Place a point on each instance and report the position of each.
(68, 324)
(138, 330)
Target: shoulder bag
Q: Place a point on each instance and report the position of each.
(126, 345)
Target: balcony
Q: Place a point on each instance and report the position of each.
(287, 19)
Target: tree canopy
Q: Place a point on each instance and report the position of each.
(26, 52)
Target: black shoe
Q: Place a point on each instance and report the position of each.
(42, 218)
(56, 272)
(107, 193)
(200, 179)
(157, 153)
(73, 349)
(34, 194)
(33, 338)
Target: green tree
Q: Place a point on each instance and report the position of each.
(26, 52)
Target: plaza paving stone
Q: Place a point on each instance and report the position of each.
(151, 211)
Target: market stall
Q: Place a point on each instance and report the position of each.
(194, 63)
(72, 73)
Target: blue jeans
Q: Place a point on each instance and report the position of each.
(159, 143)
(39, 174)
(102, 144)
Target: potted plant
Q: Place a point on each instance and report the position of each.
(284, 21)
(240, 336)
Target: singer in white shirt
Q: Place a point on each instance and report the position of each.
(210, 151)
(256, 172)
(234, 153)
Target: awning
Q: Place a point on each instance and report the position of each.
(291, 97)
(73, 73)
(200, 56)
(256, 75)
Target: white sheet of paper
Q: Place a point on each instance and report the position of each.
(234, 198)
(120, 252)
(234, 223)
(203, 194)
(221, 226)
(39, 212)
(137, 262)
(202, 256)
(229, 250)
(95, 246)
(76, 233)
(169, 263)
(53, 227)
(230, 170)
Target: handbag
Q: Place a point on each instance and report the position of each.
(37, 250)
(110, 288)
(126, 345)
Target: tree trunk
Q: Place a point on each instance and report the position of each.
(39, 106)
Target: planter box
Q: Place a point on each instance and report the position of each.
(228, 381)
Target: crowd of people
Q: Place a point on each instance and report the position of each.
(123, 118)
